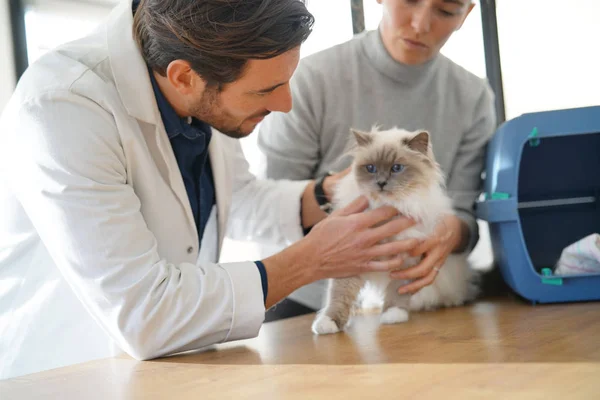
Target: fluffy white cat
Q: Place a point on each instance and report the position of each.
(397, 167)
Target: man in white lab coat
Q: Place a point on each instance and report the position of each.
(120, 174)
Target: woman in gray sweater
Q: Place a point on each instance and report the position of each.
(393, 76)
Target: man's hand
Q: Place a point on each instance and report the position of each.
(342, 245)
(347, 243)
(449, 236)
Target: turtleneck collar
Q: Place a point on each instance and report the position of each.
(381, 59)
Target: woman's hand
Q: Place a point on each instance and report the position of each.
(449, 236)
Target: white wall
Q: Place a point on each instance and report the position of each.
(7, 67)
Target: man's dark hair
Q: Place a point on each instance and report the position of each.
(218, 37)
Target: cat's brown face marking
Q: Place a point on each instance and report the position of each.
(393, 169)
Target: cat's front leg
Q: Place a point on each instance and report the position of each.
(395, 306)
(341, 296)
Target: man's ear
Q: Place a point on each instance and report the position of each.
(183, 78)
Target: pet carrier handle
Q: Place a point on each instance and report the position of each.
(497, 207)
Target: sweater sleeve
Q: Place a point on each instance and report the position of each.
(465, 181)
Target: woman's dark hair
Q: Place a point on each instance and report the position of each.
(218, 37)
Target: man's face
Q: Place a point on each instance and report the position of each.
(414, 31)
(241, 105)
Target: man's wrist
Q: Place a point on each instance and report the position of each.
(328, 184)
(289, 270)
(264, 280)
(322, 193)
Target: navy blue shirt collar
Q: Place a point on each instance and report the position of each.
(191, 128)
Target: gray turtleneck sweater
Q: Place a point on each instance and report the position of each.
(357, 84)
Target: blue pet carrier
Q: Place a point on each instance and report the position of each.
(542, 193)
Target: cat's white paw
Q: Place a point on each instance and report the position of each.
(324, 325)
(394, 315)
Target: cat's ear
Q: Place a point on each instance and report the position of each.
(420, 142)
(362, 138)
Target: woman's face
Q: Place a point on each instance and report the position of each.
(414, 31)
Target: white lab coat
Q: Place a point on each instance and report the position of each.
(98, 246)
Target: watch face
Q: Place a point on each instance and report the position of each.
(326, 208)
(319, 193)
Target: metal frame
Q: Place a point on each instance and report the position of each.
(489, 25)
(16, 11)
(358, 16)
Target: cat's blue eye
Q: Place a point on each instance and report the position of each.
(371, 168)
(397, 167)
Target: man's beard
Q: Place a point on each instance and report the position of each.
(208, 110)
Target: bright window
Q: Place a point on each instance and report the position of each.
(549, 54)
(50, 23)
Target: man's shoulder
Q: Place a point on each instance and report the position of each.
(62, 88)
(80, 67)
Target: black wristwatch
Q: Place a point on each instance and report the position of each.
(324, 203)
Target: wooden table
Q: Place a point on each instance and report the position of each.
(502, 349)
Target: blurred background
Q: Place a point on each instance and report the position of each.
(537, 54)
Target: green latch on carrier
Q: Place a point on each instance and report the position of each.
(534, 141)
(497, 196)
(550, 281)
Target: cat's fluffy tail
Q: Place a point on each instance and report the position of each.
(456, 284)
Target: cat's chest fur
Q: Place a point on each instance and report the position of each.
(427, 207)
